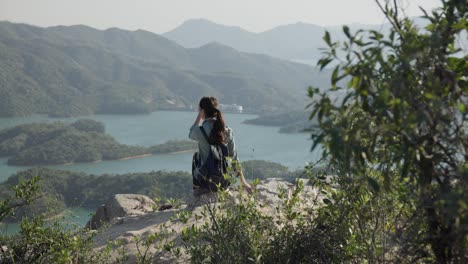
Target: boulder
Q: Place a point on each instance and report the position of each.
(118, 206)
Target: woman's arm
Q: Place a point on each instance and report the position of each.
(247, 186)
(195, 132)
(201, 114)
(235, 160)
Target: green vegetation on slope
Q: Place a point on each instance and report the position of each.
(65, 188)
(173, 146)
(82, 141)
(69, 71)
(43, 240)
(71, 189)
(58, 143)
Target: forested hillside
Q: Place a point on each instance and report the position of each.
(78, 70)
(68, 189)
(75, 189)
(82, 141)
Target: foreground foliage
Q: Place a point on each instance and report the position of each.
(399, 137)
(39, 241)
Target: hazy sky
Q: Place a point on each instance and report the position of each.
(163, 15)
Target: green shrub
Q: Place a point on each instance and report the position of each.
(40, 241)
(396, 139)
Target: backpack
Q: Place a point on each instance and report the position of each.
(215, 166)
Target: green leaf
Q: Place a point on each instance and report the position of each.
(356, 81)
(334, 77)
(346, 31)
(462, 108)
(317, 140)
(327, 39)
(376, 35)
(324, 62)
(429, 96)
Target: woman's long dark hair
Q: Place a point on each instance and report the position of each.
(210, 106)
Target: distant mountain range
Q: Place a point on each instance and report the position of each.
(78, 70)
(300, 41)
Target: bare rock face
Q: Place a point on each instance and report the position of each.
(118, 206)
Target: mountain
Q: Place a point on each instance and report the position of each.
(79, 70)
(298, 41)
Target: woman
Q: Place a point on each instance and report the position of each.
(218, 133)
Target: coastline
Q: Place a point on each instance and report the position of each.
(98, 161)
(177, 152)
(135, 157)
(151, 154)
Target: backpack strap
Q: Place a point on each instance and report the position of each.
(205, 134)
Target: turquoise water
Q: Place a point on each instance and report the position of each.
(253, 142)
(71, 218)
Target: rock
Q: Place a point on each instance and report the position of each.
(99, 218)
(118, 206)
(129, 220)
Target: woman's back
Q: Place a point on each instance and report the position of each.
(204, 147)
(217, 133)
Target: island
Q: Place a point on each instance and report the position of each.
(289, 122)
(82, 141)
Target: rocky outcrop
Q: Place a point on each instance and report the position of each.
(131, 217)
(118, 206)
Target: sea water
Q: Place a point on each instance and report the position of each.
(253, 143)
